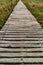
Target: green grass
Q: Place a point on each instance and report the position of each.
(5, 10)
(36, 8)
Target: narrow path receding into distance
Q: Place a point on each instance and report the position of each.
(21, 39)
(21, 17)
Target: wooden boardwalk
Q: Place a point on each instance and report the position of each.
(21, 39)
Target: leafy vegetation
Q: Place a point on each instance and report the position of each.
(5, 10)
(36, 8)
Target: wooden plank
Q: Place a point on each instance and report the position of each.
(3, 41)
(20, 39)
(15, 55)
(25, 32)
(22, 33)
(21, 49)
(22, 27)
(28, 36)
(20, 60)
(25, 28)
(18, 45)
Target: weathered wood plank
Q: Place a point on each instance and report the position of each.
(25, 27)
(17, 45)
(24, 54)
(28, 36)
(21, 49)
(20, 39)
(22, 33)
(20, 60)
(4, 41)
